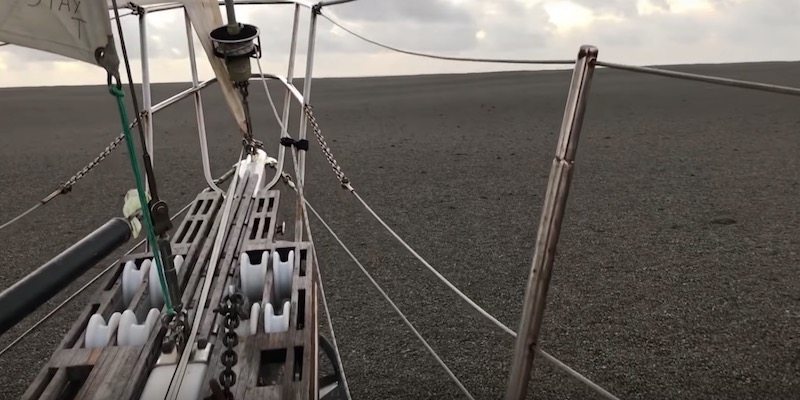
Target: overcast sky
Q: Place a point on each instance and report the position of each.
(630, 31)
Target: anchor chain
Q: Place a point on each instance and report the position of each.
(326, 150)
(232, 311)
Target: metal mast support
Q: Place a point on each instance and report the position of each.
(550, 224)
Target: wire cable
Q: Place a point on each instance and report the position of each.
(448, 58)
(394, 306)
(764, 87)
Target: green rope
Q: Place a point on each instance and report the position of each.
(148, 222)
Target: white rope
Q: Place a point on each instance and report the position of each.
(269, 96)
(284, 131)
(325, 305)
(19, 217)
(216, 251)
(483, 312)
(394, 306)
(434, 271)
(575, 374)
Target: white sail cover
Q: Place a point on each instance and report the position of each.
(205, 16)
(72, 28)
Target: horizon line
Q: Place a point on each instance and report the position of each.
(432, 74)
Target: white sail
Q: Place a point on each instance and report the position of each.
(78, 29)
(81, 30)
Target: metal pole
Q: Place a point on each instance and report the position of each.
(312, 36)
(333, 2)
(550, 224)
(147, 98)
(229, 10)
(198, 108)
(301, 135)
(290, 71)
(287, 101)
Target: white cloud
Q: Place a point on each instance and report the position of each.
(630, 31)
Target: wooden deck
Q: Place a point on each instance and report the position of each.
(278, 365)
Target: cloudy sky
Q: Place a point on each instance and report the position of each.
(643, 32)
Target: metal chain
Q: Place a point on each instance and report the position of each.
(326, 149)
(231, 310)
(66, 187)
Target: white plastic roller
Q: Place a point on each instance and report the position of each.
(131, 332)
(98, 332)
(156, 295)
(276, 323)
(252, 276)
(132, 279)
(282, 276)
(255, 314)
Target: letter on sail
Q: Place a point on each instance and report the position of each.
(78, 29)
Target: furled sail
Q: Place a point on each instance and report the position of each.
(206, 16)
(78, 29)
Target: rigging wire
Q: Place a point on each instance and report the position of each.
(441, 277)
(764, 87)
(66, 187)
(448, 58)
(345, 182)
(556, 362)
(148, 164)
(439, 360)
(561, 365)
(715, 80)
(325, 303)
(19, 217)
(280, 173)
(328, 315)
